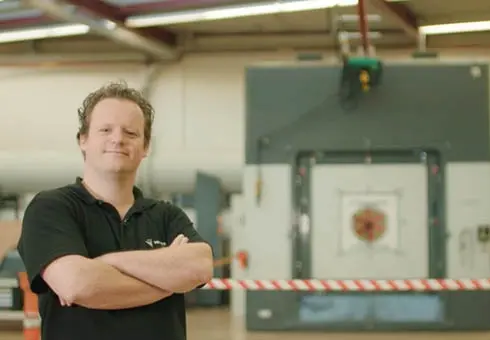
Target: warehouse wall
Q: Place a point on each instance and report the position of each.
(194, 98)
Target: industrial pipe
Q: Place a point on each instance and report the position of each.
(422, 42)
(106, 28)
(363, 25)
(24, 172)
(152, 73)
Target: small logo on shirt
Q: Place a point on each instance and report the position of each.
(155, 243)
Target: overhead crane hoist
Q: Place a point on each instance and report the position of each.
(363, 72)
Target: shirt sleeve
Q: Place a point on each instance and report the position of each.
(180, 223)
(49, 231)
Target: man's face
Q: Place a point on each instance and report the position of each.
(115, 139)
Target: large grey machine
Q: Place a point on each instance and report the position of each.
(394, 187)
(10, 262)
(204, 207)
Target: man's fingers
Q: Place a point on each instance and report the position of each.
(180, 239)
(64, 303)
(177, 239)
(183, 240)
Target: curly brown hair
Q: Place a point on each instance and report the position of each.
(119, 90)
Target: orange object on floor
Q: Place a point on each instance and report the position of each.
(32, 320)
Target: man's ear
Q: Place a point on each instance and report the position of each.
(147, 151)
(82, 140)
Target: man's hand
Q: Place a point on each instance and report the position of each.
(178, 268)
(179, 240)
(64, 303)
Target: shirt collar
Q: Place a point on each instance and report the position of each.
(140, 201)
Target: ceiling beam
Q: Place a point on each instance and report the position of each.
(114, 13)
(120, 13)
(401, 14)
(109, 27)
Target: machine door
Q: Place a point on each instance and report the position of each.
(369, 221)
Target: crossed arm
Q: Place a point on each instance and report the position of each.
(130, 279)
(113, 281)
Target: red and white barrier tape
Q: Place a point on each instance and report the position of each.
(350, 285)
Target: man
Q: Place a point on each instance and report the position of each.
(106, 262)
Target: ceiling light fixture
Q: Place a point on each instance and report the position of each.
(43, 33)
(230, 12)
(461, 27)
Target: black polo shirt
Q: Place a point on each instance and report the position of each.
(70, 221)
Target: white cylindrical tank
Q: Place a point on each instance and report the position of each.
(28, 172)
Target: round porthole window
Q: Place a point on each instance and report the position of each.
(369, 224)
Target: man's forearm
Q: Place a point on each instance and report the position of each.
(176, 269)
(105, 287)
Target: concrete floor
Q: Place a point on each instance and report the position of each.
(218, 325)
